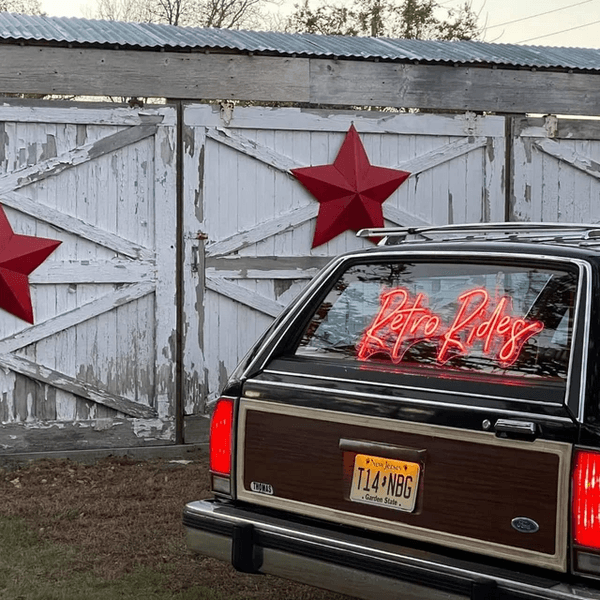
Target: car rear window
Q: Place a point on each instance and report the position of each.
(507, 324)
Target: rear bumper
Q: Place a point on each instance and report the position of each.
(353, 565)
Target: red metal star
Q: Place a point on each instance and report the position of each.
(351, 191)
(19, 256)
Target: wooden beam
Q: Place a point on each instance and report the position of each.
(439, 156)
(214, 273)
(244, 296)
(52, 111)
(176, 75)
(53, 166)
(66, 222)
(365, 121)
(94, 271)
(251, 148)
(197, 76)
(116, 437)
(92, 309)
(569, 156)
(266, 267)
(262, 231)
(453, 87)
(285, 164)
(400, 217)
(63, 382)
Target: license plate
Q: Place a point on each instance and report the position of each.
(385, 482)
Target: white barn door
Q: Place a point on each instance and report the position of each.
(249, 223)
(556, 170)
(96, 368)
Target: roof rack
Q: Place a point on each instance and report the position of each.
(537, 232)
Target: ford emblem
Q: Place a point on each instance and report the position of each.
(525, 525)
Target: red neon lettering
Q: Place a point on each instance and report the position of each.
(402, 323)
(473, 304)
(397, 325)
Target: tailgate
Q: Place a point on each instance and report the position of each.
(466, 489)
(428, 397)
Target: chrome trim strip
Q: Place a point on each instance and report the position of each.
(586, 343)
(412, 388)
(417, 402)
(557, 561)
(347, 580)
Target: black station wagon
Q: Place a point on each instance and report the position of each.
(422, 422)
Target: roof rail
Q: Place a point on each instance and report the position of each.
(483, 231)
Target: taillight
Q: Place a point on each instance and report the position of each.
(221, 427)
(586, 499)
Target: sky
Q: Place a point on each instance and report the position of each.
(574, 23)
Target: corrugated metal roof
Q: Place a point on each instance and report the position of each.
(88, 32)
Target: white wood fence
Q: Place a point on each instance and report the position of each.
(150, 273)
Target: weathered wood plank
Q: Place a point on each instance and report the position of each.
(439, 156)
(193, 294)
(76, 113)
(55, 165)
(35, 69)
(167, 388)
(495, 198)
(448, 87)
(570, 156)
(400, 217)
(78, 227)
(77, 315)
(94, 72)
(270, 264)
(284, 164)
(336, 120)
(94, 271)
(85, 434)
(244, 296)
(263, 231)
(563, 129)
(251, 148)
(289, 274)
(79, 388)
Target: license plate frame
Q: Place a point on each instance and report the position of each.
(385, 482)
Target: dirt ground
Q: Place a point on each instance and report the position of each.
(120, 513)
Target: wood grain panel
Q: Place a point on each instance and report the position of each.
(466, 489)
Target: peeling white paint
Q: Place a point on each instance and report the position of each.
(103, 302)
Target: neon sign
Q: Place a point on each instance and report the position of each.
(403, 321)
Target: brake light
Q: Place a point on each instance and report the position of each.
(586, 499)
(220, 437)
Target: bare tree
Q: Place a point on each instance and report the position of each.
(122, 10)
(422, 19)
(231, 14)
(28, 7)
(200, 13)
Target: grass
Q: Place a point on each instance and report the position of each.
(35, 569)
(112, 530)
